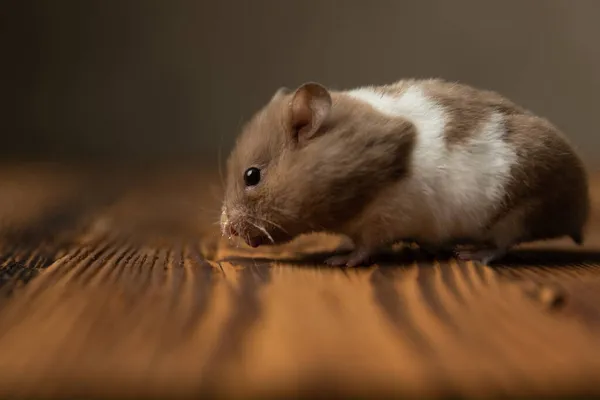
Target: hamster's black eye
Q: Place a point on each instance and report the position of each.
(252, 176)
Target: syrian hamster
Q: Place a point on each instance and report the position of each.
(439, 162)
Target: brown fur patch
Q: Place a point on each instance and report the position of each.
(355, 154)
(549, 182)
(466, 107)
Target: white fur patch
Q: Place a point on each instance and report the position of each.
(452, 190)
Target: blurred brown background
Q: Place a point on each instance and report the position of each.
(172, 79)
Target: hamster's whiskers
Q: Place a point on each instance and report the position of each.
(263, 230)
(270, 223)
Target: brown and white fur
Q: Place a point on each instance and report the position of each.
(440, 163)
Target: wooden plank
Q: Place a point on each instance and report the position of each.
(141, 297)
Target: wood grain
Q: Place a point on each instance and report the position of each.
(123, 287)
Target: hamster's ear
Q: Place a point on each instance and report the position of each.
(309, 107)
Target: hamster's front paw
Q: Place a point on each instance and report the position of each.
(357, 258)
(484, 256)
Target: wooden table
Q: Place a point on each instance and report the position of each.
(117, 283)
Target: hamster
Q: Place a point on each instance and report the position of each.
(442, 163)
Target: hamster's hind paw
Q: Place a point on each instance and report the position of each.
(359, 257)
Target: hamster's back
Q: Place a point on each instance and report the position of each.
(548, 181)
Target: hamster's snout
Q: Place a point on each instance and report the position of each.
(228, 229)
(248, 228)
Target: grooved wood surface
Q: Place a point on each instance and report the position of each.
(118, 284)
